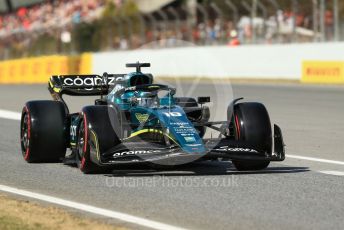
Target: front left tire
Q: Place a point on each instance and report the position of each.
(91, 142)
(83, 158)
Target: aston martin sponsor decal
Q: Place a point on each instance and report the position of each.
(141, 117)
(190, 139)
(73, 130)
(179, 123)
(231, 149)
(187, 134)
(188, 129)
(193, 145)
(135, 152)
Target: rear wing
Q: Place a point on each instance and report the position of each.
(83, 85)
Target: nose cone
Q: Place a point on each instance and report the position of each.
(181, 130)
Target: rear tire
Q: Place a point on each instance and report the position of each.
(43, 131)
(252, 125)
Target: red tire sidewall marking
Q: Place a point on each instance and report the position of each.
(237, 125)
(83, 161)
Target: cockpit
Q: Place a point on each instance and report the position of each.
(149, 96)
(137, 89)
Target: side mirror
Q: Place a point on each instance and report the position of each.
(203, 100)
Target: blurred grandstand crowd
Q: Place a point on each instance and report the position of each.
(48, 14)
(20, 28)
(58, 26)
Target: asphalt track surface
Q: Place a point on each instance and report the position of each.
(294, 194)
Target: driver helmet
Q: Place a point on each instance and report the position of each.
(147, 99)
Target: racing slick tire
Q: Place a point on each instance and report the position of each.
(43, 131)
(252, 125)
(96, 117)
(83, 159)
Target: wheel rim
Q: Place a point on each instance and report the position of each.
(25, 135)
(81, 141)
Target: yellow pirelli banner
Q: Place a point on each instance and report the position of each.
(326, 72)
(39, 69)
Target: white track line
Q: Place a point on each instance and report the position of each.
(315, 159)
(336, 173)
(91, 209)
(10, 115)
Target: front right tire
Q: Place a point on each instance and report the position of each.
(252, 125)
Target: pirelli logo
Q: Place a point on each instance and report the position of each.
(330, 71)
(323, 72)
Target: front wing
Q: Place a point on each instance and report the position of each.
(136, 152)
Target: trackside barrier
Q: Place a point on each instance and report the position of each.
(308, 63)
(38, 70)
(326, 72)
(275, 62)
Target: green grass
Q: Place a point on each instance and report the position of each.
(14, 223)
